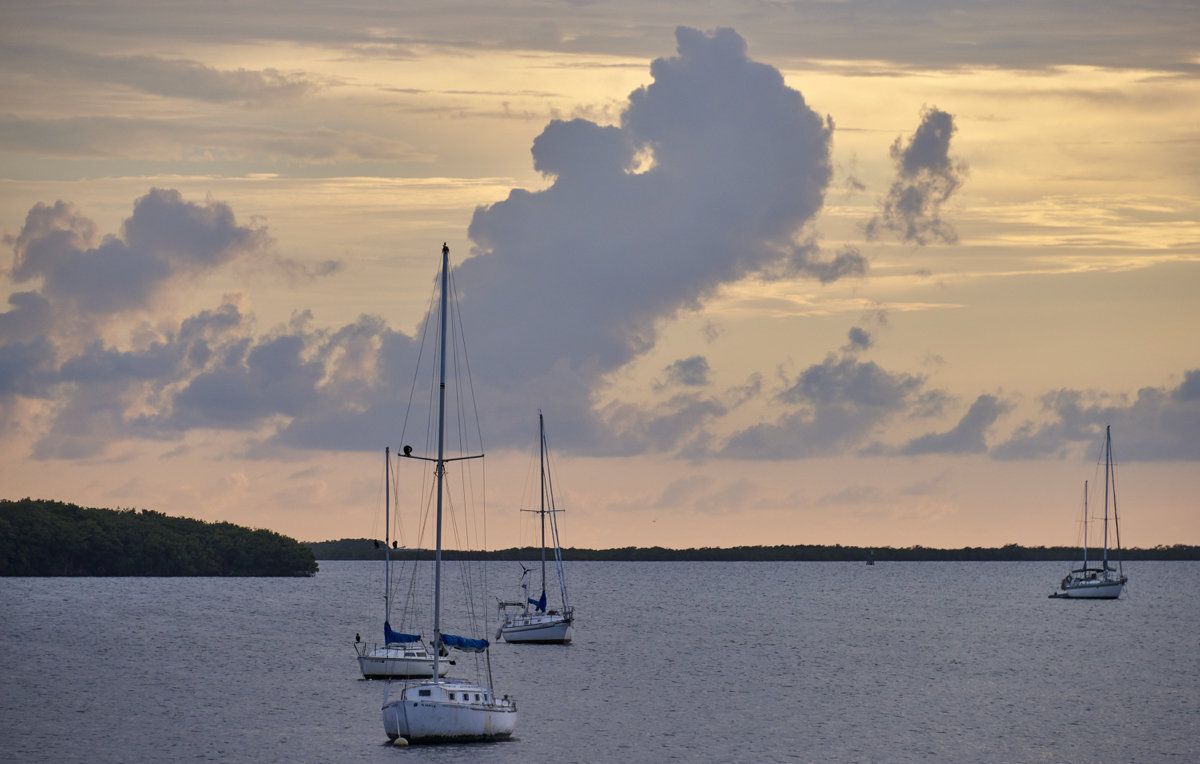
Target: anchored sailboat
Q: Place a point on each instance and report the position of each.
(1098, 581)
(401, 655)
(528, 620)
(436, 709)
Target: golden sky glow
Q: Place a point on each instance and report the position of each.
(762, 401)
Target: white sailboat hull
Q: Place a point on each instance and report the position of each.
(439, 710)
(452, 711)
(1092, 590)
(554, 629)
(1096, 579)
(395, 662)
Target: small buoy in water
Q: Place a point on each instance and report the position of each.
(400, 742)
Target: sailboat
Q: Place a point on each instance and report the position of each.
(440, 709)
(401, 655)
(527, 619)
(1098, 581)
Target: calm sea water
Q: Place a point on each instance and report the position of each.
(672, 661)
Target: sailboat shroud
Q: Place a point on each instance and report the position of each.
(438, 710)
(1098, 580)
(401, 655)
(528, 620)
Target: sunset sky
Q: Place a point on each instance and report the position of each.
(776, 273)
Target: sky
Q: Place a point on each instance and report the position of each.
(861, 273)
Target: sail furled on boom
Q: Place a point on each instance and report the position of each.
(390, 637)
(540, 603)
(463, 643)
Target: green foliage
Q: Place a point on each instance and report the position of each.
(51, 538)
(364, 549)
(351, 549)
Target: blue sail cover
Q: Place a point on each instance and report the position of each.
(390, 636)
(540, 604)
(462, 643)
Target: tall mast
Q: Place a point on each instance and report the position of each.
(542, 513)
(440, 470)
(1117, 526)
(1085, 525)
(1107, 462)
(387, 541)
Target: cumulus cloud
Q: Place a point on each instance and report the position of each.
(858, 339)
(308, 388)
(968, 436)
(1158, 424)
(299, 386)
(661, 428)
(687, 372)
(165, 238)
(837, 403)
(808, 261)
(711, 174)
(926, 177)
(211, 370)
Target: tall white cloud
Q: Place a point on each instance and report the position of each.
(715, 168)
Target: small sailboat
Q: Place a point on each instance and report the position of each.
(401, 655)
(440, 709)
(528, 619)
(1098, 580)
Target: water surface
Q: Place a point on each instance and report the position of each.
(710, 661)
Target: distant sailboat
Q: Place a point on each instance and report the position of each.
(1098, 581)
(438, 710)
(401, 655)
(528, 620)
(871, 557)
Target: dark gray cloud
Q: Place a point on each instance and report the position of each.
(926, 177)
(273, 377)
(1188, 392)
(26, 368)
(212, 371)
(320, 389)
(31, 317)
(930, 403)
(1158, 424)
(165, 238)
(660, 428)
(687, 372)
(808, 260)
(858, 339)
(837, 404)
(27, 356)
(838, 381)
(968, 436)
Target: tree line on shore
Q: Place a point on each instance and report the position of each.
(367, 549)
(41, 537)
(50, 538)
